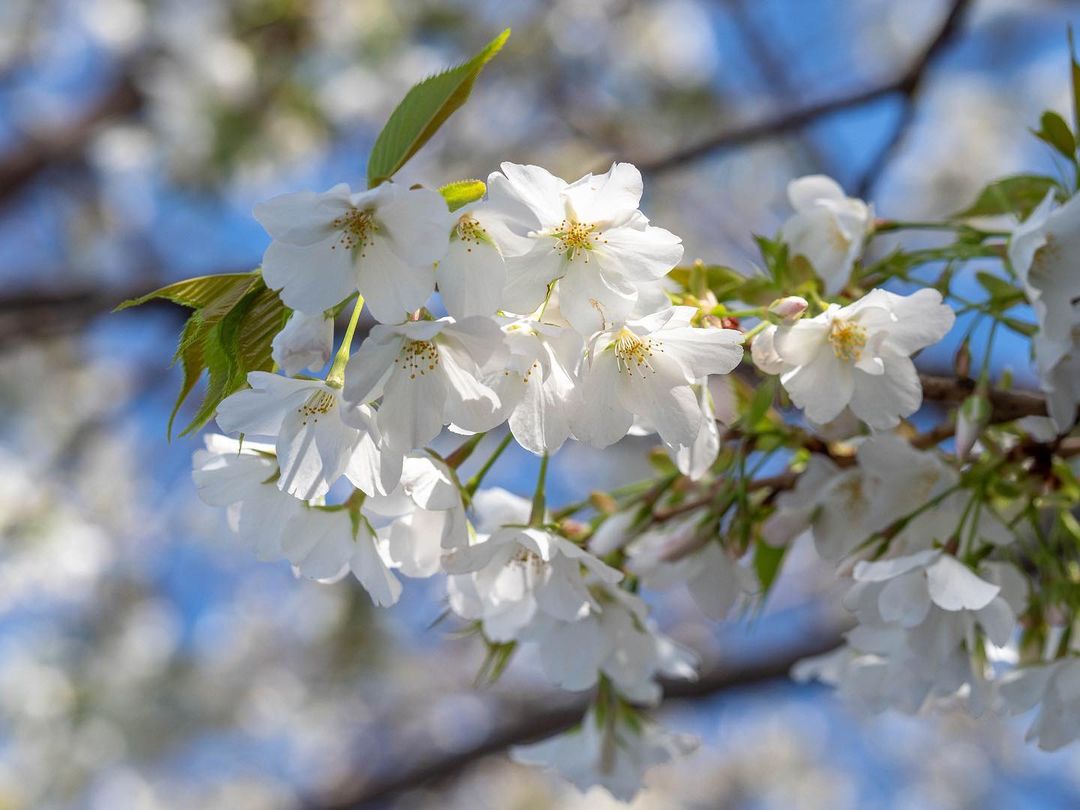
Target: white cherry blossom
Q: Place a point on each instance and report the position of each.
(318, 437)
(588, 235)
(241, 477)
(828, 228)
(610, 752)
(304, 343)
(859, 356)
(472, 274)
(1042, 251)
(383, 242)
(1055, 689)
(519, 572)
(647, 368)
(428, 374)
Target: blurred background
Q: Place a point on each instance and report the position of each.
(148, 662)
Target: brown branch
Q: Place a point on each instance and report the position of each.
(909, 91)
(790, 122)
(66, 143)
(546, 715)
(1005, 405)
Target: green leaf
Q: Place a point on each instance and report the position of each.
(424, 109)
(199, 292)
(1055, 132)
(760, 403)
(190, 355)
(1018, 195)
(1075, 73)
(1001, 292)
(767, 560)
(1021, 327)
(462, 193)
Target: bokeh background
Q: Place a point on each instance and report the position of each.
(146, 661)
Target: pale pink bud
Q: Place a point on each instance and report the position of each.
(789, 308)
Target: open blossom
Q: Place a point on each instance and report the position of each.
(611, 752)
(588, 235)
(472, 274)
(321, 543)
(325, 544)
(318, 437)
(236, 476)
(519, 572)
(304, 343)
(1055, 689)
(857, 356)
(1043, 251)
(537, 386)
(428, 516)
(828, 228)
(615, 639)
(383, 242)
(428, 374)
(647, 368)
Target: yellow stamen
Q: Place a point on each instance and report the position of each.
(634, 354)
(417, 357)
(318, 404)
(576, 237)
(357, 229)
(848, 339)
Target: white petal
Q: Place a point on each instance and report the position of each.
(804, 192)
(471, 278)
(304, 343)
(598, 416)
(411, 413)
(259, 411)
(704, 351)
(368, 566)
(954, 586)
(418, 224)
(392, 288)
(312, 278)
(823, 387)
(905, 599)
(303, 218)
(592, 302)
(639, 255)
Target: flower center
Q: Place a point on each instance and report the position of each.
(318, 404)
(471, 232)
(417, 357)
(848, 339)
(634, 354)
(357, 229)
(576, 237)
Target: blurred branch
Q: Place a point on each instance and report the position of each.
(909, 92)
(1005, 405)
(65, 143)
(547, 715)
(906, 84)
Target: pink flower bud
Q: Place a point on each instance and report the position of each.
(788, 308)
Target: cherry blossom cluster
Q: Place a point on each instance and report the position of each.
(564, 321)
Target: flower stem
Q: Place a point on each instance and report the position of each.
(536, 517)
(473, 483)
(336, 377)
(458, 457)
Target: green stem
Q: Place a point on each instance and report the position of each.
(458, 457)
(336, 377)
(473, 483)
(748, 336)
(536, 517)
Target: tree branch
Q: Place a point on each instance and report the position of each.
(547, 715)
(66, 143)
(789, 122)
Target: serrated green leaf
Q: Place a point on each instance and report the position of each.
(424, 109)
(198, 292)
(190, 355)
(1018, 195)
(462, 193)
(1055, 132)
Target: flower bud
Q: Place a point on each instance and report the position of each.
(788, 308)
(972, 420)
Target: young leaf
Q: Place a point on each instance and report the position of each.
(1018, 195)
(766, 561)
(462, 193)
(1075, 73)
(198, 292)
(1055, 132)
(424, 109)
(1001, 291)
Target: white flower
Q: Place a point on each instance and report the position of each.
(518, 572)
(318, 437)
(537, 387)
(324, 544)
(860, 355)
(472, 274)
(304, 343)
(383, 242)
(1043, 251)
(589, 235)
(428, 513)
(239, 477)
(617, 641)
(646, 368)
(428, 374)
(828, 228)
(611, 752)
(1055, 689)
(677, 554)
